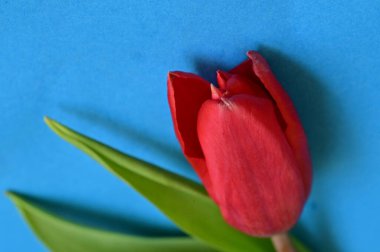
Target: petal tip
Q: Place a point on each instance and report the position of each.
(173, 74)
(254, 55)
(222, 74)
(222, 78)
(216, 94)
(259, 63)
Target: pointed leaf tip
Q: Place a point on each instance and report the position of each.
(50, 122)
(46, 119)
(9, 194)
(14, 197)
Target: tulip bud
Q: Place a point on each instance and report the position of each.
(246, 143)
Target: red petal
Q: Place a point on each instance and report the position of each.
(294, 131)
(241, 84)
(186, 93)
(245, 68)
(252, 167)
(222, 78)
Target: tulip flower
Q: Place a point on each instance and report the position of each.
(245, 141)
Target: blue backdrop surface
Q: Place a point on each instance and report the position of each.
(101, 66)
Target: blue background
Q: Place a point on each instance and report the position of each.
(101, 68)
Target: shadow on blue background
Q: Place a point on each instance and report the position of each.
(314, 105)
(320, 111)
(124, 131)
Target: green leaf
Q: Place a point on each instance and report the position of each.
(64, 236)
(185, 202)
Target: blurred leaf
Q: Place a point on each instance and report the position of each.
(64, 236)
(185, 202)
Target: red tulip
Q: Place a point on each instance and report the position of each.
(246, 143)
